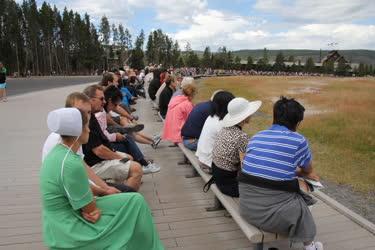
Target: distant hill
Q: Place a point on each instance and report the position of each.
(353, 56)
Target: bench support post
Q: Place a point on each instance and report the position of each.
(258, 246)
(193, 174)
(185, 161)
(217, 206)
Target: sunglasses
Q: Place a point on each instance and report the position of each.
(101, 98)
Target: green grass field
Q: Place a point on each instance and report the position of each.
(339, 120)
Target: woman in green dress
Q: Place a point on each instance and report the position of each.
(72, 217)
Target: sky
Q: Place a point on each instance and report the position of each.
(242, 24)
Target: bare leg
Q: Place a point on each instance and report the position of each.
(145, 136)
(141, 139)
(5, 95)
(135, 176)
(1, 94)
(124, 121)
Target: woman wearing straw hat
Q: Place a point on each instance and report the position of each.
(230, 142)
(72, 217)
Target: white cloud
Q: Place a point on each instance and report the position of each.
(116, 11)
(214, 28)
(318, 11)
(179, 11)
(171, 11)
(315, 36)
(293, 24)
(211, 28)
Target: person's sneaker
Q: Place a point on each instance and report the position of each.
(318, 245)
(156, 136)
(147, 169)
(156, 142)
(150, 168)
(155, 168)
(314, 246)
(134, 127)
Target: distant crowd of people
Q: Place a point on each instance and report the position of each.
(92, 166)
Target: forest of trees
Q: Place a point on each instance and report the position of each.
(44, 40)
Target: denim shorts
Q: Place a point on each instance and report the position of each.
(191, 144)
(3, 85)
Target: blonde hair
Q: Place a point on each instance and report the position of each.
(186, 81)
(189, 90)
(72, 98)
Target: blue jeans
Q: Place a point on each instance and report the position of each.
(191, 144)
(130, 147)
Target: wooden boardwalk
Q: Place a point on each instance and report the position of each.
(178, 204)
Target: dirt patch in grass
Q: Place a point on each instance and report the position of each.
(339, 121)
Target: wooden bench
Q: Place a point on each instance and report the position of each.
(231, 204)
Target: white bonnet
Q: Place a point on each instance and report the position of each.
(65, 121)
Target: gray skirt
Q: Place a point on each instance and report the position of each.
(277, 212)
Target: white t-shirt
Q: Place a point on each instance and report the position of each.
(211, 128)
(52, 140)
(148, 79)
(157, 95)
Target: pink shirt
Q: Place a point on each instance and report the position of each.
(102, 119)
(179, 109)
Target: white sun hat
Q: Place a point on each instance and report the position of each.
(238, 110)
(65, 121)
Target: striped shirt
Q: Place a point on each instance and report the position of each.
(276, 153)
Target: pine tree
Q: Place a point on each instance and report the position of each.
(150, 52)
(279, 62)
(229, 60)
(137, 58)
(176, 54)
(250, 63)
(341, 68)
(309, 65)
(237, 63)
(361, 69)
(265, 58)
(328, 67)
(115, 34)
(206, 59)
(105, 30)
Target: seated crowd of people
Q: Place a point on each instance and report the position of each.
(262, 170)
(92, 166)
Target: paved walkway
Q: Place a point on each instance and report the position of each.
(178, 204)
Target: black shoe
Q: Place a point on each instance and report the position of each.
(135, 127)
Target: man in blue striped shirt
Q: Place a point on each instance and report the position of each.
(280, 153)
(270, 194)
